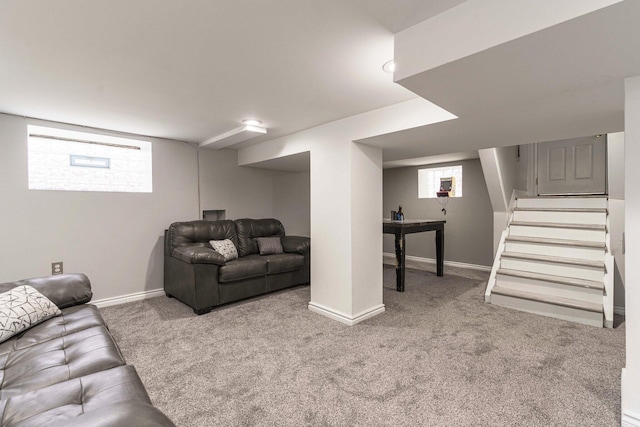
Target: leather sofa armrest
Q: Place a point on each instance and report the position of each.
(64, 290)
(296, 244)
(130, 413)
(198, 255)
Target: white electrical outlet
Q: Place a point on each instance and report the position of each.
(56, 267)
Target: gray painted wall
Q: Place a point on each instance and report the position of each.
(242, 191)
(292, 202)
(469, 227)
(511, 167)
(115, 238)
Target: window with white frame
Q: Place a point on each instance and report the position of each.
(60, 159)
(429, 181)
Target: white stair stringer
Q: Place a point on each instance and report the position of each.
(554, 259)
(608, 281)
(501, 247)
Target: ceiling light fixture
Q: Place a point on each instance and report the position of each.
(389, 67)
(235, 136)
(252, 122)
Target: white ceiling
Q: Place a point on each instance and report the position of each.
(190, 70)
(194, 69)
(562, 82)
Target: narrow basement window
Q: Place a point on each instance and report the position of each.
(67, 160)
(429, 181)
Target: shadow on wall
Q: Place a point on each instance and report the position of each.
(155, 267)
(618, 289)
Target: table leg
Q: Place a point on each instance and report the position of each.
(400, 252)
(440, 252)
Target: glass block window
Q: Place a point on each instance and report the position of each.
(429, 181)
(78, 161)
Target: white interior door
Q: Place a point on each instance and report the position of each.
(573, 166)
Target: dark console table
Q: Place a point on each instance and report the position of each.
(400, 229)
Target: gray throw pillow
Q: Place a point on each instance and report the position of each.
(21, 308)
(269, 245)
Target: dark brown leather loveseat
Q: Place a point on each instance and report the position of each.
(202, 278)
(68, 370)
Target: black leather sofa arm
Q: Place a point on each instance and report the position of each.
(64, 290)
(296, 244)
(198, 255)
(132, 413)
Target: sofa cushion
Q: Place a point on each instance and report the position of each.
(57, 360)
(269, 245)
(60, 403)
(248, 229)
(199, 233)
(72, 319)
(226, 248)
(243, 268)
(21, 308)
(279, 263)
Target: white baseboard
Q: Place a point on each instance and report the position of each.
(420, 263)
(106, 302)
(345, 318)
(630, 419)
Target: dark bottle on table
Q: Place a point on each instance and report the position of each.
(399, 214)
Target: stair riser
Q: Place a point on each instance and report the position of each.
(550, 288)
(565, 270)
(558, 233)
(555, 250)
(599, 218)
(550, 310)
(563, 202)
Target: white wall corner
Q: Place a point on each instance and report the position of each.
(493, 177)
(492, 170)
(630, 381)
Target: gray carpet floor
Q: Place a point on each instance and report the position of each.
(438, 356)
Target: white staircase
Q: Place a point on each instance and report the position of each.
(554, 259)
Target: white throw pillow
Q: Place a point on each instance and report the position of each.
(226, 248)
(21, 308)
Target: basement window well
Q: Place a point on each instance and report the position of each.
(67, 160)
(429, 181)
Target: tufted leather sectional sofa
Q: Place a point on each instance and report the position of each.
(201, 278)
(68, 370)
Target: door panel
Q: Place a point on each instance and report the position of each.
(557, 159)
(572, 166)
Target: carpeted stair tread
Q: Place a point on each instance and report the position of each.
(557, 242)
(554, 259)
(571, 210)
(559, 197)
(596, 227)
(547, 299)
(581, 283)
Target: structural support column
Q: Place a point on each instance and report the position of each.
(346, 203)
(631, 372)
(346, 199)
